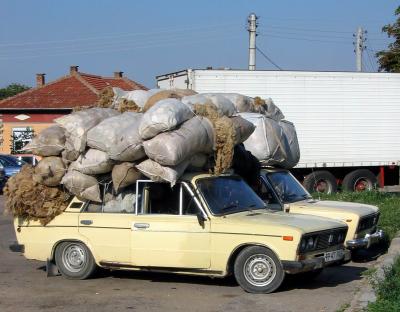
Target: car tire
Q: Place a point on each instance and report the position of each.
(74, 260)
(359, 180)
(320, 181)
(258, 270)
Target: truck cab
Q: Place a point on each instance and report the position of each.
(203, 225)
(279, 186)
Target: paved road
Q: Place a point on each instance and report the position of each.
(25, 287)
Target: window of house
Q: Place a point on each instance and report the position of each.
(21, 137)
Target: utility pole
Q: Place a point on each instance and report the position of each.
(359, 48)
(252, 29)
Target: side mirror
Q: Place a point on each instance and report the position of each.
(201, 219)
(286, 208)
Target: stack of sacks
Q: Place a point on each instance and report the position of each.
(173, 131)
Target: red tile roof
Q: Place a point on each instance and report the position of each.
(77, 89)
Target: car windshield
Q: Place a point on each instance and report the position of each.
(12, 161)
(288, 188)
(226, 195)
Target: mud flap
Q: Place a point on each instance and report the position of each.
(51, 269)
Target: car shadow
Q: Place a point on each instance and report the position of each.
(370, 254)
(330, 277)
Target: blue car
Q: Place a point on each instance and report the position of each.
(11, 165)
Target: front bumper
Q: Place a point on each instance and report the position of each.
(293, 267)
(366, 241)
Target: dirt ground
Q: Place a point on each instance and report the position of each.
(25, 287)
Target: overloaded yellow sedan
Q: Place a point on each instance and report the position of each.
(280, 188)
(204, 225)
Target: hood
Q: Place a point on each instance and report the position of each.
(337, 207)
(265, 222)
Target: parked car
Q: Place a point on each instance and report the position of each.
(28, 158)
(11, 164)
(282, 188)
(2, 178)
(204, 225)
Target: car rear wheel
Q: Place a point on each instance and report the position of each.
(74, 260)
(320, 181)
(258, 270)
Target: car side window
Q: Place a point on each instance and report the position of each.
(265, 192)
(158, 198)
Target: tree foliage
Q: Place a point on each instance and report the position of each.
(12, 89)
(389, 60)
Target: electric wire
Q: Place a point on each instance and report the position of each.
(268, 58)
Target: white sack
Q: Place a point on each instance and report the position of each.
(49, 142)
(224, 106)
(291, 135)
(124, 174)
(269, 142)
(269, 109)
(158, 173)
(241, 102)
(163, 116)
(128, 145)
(82, 185)
(123, 203)
(77, 124)
(243, 129)
(171, 148)
(93, 162)
(140, 97)
(106, 134)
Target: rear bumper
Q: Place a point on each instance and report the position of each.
(366, 241)
(293, 267)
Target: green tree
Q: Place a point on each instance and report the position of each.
(12, 89)
(389, 60)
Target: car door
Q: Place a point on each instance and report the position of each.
(108, 231)
(171, 229)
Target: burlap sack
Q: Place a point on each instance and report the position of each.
(106, 134)
(69, 154)
(140, 97)
(162, 95)
(128, 145)
(93, 162)
(158, 173)
(49, 171)
(123, 203)
(49, 142)
(79, 123)
(171, 148)
(124, 174)
(82, 185)
(165, 115)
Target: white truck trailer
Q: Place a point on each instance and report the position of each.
(348, 123)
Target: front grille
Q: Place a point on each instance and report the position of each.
(331, 238)
(368, 222)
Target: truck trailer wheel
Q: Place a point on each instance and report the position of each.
(258, 270)
(320, 181)
(359, 180)
(74, 260)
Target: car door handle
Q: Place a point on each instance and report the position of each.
(141, 225)
(86, 222)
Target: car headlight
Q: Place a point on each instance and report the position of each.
(303, 244)
(310, 243)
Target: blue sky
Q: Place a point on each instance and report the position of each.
(148, 38)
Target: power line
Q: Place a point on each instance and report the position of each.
(370, 59)
(308, 29)
(305, 39)
(269, 60)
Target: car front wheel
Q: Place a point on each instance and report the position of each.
(74, 260)
(258, 270)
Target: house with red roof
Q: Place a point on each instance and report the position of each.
(36, 109)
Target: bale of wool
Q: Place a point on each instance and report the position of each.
(159, 173)
(49, 142)
(105, 135)
(171, 148)
(28, 199)
(77, 124)
(82, 185)
(124, 174)
(49, 171)
(93, 162)
(128, 145)
(165, 115)
(162, 95)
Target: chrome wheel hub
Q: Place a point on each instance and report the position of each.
(74, 258)
(259, 270)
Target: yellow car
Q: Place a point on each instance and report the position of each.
(205, 225)
(281, 188)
